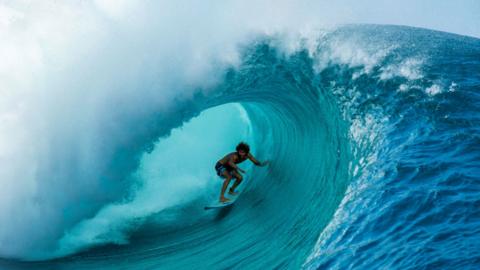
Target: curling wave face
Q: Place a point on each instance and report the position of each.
(364, 127)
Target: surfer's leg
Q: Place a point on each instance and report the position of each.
(238, 180)
(227, 177)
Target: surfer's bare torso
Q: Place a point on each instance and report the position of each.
(232, 158)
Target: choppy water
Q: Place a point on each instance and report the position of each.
(373, 133)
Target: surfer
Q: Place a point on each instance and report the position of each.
(227, 168)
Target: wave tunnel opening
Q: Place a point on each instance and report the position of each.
(278, 216)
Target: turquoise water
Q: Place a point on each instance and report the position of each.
(373, 138)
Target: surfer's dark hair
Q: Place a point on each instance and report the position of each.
(243, 146)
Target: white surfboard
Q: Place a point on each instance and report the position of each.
(218, 204)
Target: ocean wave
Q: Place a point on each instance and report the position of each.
(371, 159)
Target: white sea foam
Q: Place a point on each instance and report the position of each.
(403, 88)
(409, 69)
(433, 90)
(351, 54)
(452, 87)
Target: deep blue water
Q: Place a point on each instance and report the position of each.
(374, 140)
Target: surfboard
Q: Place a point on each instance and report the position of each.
(218, 205)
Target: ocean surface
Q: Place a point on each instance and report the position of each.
(373, 138)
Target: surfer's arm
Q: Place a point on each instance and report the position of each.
(256, 162)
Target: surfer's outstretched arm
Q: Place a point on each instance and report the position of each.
(256, 162)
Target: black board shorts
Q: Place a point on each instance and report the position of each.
(220, 168)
